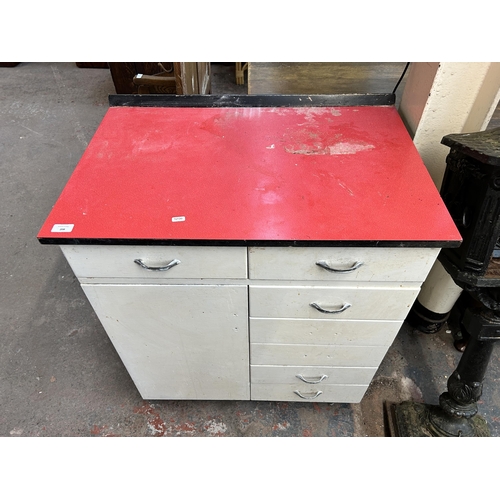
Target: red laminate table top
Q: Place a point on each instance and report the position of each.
(319, 175)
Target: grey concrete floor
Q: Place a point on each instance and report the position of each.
(60, 375)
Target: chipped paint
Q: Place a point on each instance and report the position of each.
(340, 148)
(215, 428)
(186, 428)
(311, 113)
(155, 424)
(347, 148)
(281, 426)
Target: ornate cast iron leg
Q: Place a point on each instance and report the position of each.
(457, 413)
(458, 405)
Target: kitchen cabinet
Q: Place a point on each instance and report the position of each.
(253, 248)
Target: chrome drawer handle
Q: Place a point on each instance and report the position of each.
(317, 380)
(161, 268)
(314, 396)
(345, 306)
(323, 264)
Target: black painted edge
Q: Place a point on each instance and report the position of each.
(483, 153)
(464, 278)
(250, 243)
(235, 101)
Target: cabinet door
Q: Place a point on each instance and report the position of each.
(178, 341)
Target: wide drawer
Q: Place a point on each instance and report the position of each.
(316, 355)
(327, 394)
(311, 377)
(323, 331)
(113, 261)
(356, 263)
(320, 302)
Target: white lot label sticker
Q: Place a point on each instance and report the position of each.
(178, 219)
(62, 228)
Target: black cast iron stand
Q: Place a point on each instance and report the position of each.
(471, 192)
(457, 413)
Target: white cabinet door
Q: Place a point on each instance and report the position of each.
(178, 341)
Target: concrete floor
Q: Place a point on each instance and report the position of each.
(60, 375)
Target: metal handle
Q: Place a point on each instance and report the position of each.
(161, 268)
(323, 264)
(311, 381)
(345, 306)
(314, 396)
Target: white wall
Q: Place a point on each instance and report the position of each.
(447, 98)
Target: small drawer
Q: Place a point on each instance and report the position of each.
(156, 262)
(341, 264)
(327, 394)
(322, 302)
(311, 377)
(317, 355)
(324, 332)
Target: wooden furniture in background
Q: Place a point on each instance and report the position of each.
(180, 78)
(240, 72)
(323, 78)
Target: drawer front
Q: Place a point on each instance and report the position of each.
(311, 377)
(316, 355)
(325, 332)
(327, 394)
(116, 261)
(390, 303)
(346, 264)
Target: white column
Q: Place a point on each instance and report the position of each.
(441, 99)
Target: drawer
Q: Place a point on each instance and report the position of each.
(323, 331)
(388, 303)
(346, 264)
(307, 377)
(327, 394)
(316, 355)
(117, 261)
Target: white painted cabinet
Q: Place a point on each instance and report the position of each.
(250, 248)
(238, 323)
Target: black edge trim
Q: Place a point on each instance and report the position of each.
(251, 243)
(427, 314)
(271, 100)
